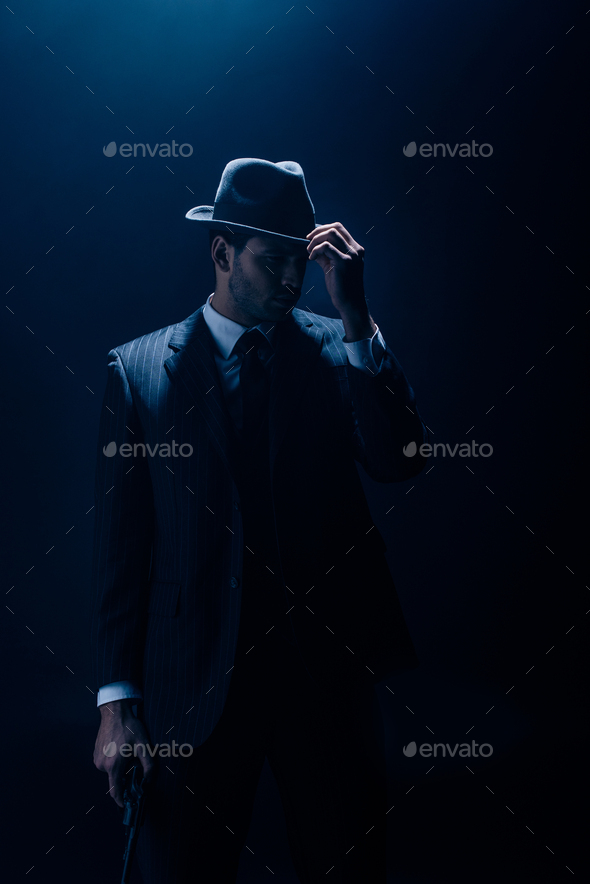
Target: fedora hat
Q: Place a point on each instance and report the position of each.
(261, 197)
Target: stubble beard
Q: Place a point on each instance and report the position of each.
(242, 291)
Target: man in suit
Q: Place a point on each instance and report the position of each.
(242, 601)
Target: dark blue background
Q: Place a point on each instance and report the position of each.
(466, 295)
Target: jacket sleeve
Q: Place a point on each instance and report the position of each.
(388, 430)
(123, 533)
(367, 354)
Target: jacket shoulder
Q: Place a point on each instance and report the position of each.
(306, 317)
(153, 345)
(332, 329)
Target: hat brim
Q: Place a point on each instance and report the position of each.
(204, 214)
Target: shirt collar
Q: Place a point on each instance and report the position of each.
(226, 332)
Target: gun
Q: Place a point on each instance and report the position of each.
(133, 812)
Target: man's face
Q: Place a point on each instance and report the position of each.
(266, 278)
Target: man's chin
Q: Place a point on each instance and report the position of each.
(282, 308)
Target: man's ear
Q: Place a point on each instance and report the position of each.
(220, 254)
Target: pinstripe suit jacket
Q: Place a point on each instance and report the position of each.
(168, 544)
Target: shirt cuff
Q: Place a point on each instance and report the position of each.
(118, 690)
(366, 355)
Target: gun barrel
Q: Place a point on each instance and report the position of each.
(134, 801)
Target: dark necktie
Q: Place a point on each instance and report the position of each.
(263, 602)
(254, 384)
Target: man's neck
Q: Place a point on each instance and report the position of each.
(222, 306)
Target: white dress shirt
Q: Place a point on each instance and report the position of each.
(366, 355)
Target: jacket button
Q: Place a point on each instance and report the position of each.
(234, 582)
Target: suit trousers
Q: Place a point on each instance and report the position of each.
(324, 748)
(325, 751)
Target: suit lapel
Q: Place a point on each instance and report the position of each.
(297, 343)
(193, 370)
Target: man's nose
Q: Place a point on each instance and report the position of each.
(293, 275)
